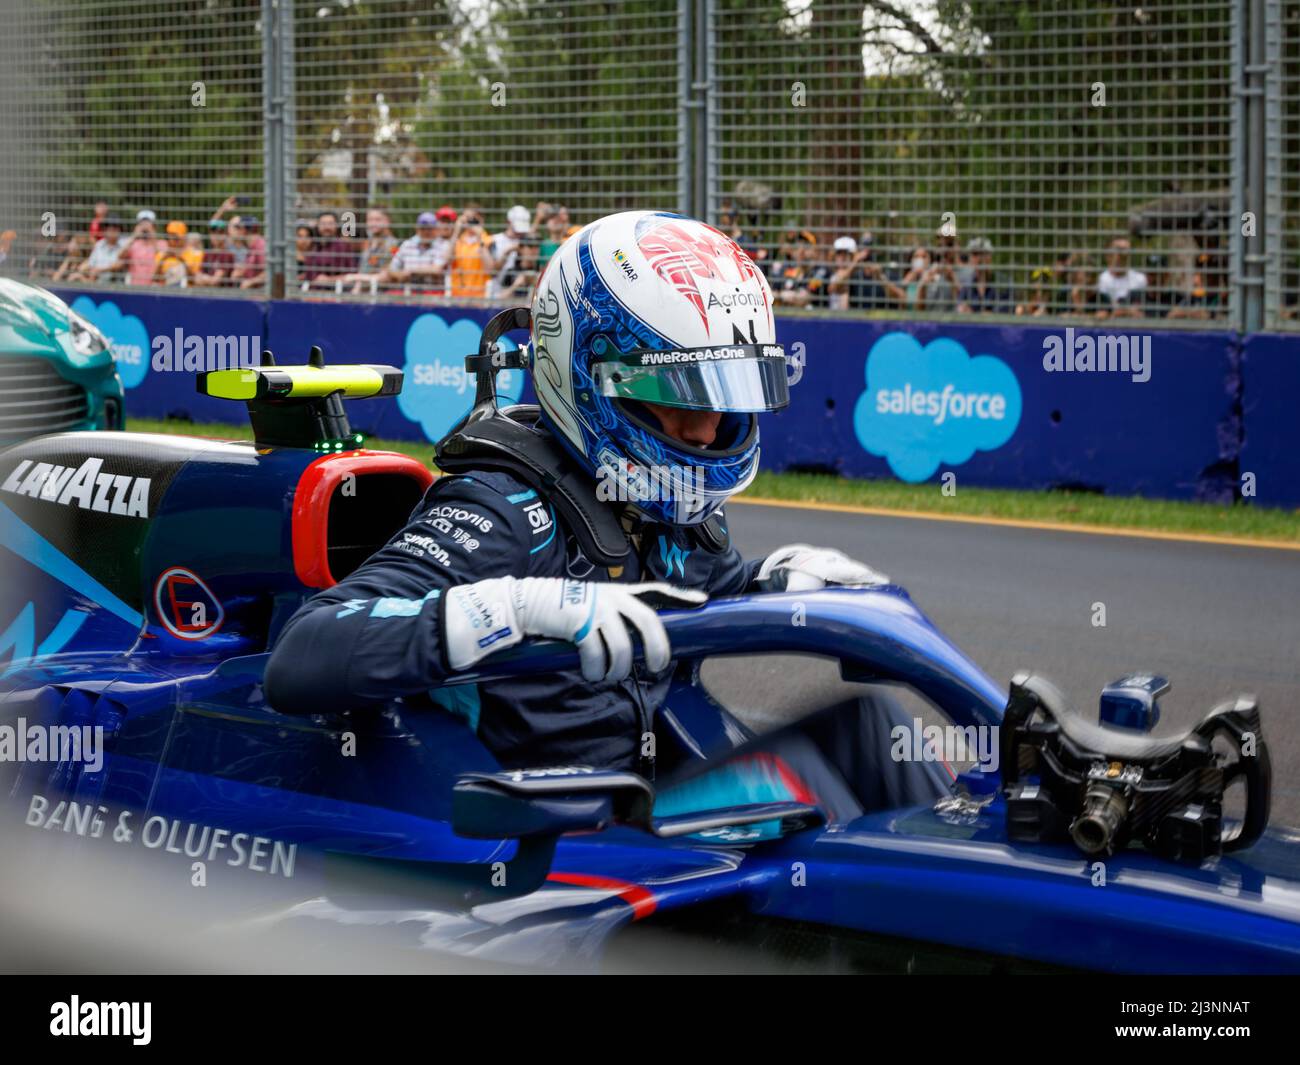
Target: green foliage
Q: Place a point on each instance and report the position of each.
(117, 106)
(914, 107)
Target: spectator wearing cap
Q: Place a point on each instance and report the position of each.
(984, 293)
(857, 282)
(143, 250)
(841, 279)
(243, 229)
(332, 257)
(246, 246)
(218, 260)
(105, 258)
(249, 248)
(503, 249)
(228, 204)
(471, 256)
(1120, 288)
(171, 267)
(422, 259)
(253, 239)
(193, 254)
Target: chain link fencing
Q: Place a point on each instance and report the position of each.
(983, 156)
(921, 159)
(133, 118)
(460, 113)
(1283, 146)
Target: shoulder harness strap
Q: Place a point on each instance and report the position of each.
(507, 442)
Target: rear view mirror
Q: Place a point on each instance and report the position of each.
(531, 803)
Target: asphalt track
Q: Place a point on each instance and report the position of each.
(1215, 619)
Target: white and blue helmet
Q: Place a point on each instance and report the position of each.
(650, 307)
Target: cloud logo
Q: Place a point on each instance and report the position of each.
(934, 405)
(437, 390)
(125, 332)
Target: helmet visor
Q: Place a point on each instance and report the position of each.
(733, 377)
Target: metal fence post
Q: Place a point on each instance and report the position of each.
(711, 204)
(1251, 257)
(685, 36)
(1272, 223)
(695, 105)
(278, 124)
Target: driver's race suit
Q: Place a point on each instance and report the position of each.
(377, 635)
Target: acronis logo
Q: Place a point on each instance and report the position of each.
(438, 390)
(932, 406)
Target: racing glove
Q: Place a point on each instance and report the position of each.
(800, 568)
(489, 615)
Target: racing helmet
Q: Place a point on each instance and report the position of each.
(651, 307)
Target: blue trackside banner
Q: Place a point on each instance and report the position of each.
(160, 342)
(429, 344)
(1270, 454)
(1004, 406)
(1119, 410)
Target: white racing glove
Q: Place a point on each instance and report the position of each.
(490, 615)
(800, 568)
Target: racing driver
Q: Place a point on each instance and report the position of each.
(653, 351)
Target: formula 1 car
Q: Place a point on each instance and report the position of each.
(145, 577)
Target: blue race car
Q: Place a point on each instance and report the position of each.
(146, 576)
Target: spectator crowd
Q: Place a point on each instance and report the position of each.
(943, 277)
(461, 254)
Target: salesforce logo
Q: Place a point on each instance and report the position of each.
(437, 389)
(932, 406)
(126, 334)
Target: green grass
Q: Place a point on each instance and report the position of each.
(1075, 508)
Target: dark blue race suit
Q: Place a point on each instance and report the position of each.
(377, 634)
